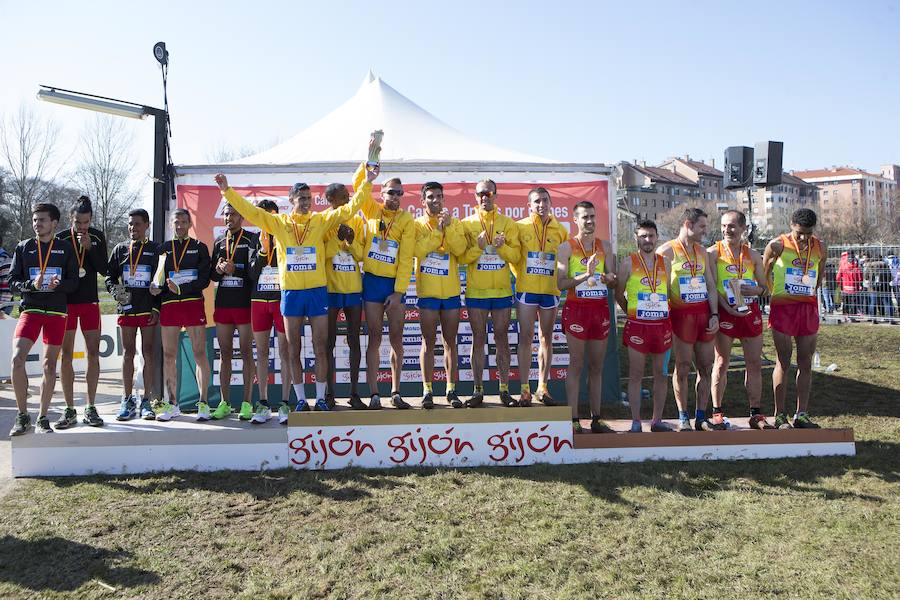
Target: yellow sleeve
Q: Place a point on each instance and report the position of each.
(369, 206)
(405, 257)
(561, 233)
(268, 222)
(427, 240)
(456, 241)
(511, 251)
(358, 247)
(363, 192)
(473, 252)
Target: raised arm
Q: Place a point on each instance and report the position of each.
(268, 222)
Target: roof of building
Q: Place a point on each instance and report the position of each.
(699, 166)
(665, 175)
(832, 172)
(793, 179)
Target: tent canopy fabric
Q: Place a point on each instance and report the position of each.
(412, 135)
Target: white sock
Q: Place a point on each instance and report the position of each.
(320, 390)
(298, 389)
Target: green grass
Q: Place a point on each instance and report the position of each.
(793, 528)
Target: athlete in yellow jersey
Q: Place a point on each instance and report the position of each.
(493, 240)
(440, 241)
(738, 267)
(643, 294)
(694, 314)
(586, 268)
(301, 268)
(793, 264)
(537, 291)
(387, 267)
(344, 250)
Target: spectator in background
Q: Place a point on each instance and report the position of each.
(826, 292)
(849, 277)
(894, 263)
(882, 288)
(6, 297)
(871, 269)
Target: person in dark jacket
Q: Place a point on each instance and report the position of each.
(44, 270)
(83, 306)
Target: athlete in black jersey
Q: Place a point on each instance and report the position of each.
(84, 306)
(230, 263)
(130, 272)
(44, 270)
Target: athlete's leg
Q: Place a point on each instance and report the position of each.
(705, 355)
(374, 323)
(636, 363)
(449, 329)
(245, 339)
(293, 329)
(354, 320)
(573, 373)
(684, 360)
(92, 350)
(547, 317)
(660, 386)
(527, 315)
(170, 337)
(806, 347)
(48, 384)
(21, 347)
(66, 369)
(319, 325)
(429, 320)
(148, 343)
(262, 363)
(286, 366)
(225, 334)
(129, 349)
(596, 351)
(753, 369)
(197, 335)
(395, 332)
(333, 314)
(783, 350)
(720, 369)
(500, 317)
(478, 322)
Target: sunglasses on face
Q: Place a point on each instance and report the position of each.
(397, 193)
(485, 194)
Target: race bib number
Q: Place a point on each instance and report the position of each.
(268, 280)
(343, 262)
(490, 260)
(49, 274)
(692, 289)
(652, 306)
(592, 288)
(437, 264)
(796, 284)
(183, 276)
(141, 277)
(541, 263)
(729, 292)
(387, 254)
(229, 281)
(301, 259)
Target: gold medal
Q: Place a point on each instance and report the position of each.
(382, 245)
(591, 282)
(695, 282)
(807, 279)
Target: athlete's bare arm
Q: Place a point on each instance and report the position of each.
(773, 251)
(623, 275)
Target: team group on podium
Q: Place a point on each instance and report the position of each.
(358, 257)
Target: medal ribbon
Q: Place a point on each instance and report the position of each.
(692, 261)
(177, 263)
(542, 236)
(652, 282)
(132, 266)
(490, 234)
(270, 250)
(230, 255)
(809, 245)
(42, 264)
(387, 230)
(297, 237)
(79, 251)
(739, 263)
(431, 227)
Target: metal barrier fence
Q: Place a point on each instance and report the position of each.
(861, 283)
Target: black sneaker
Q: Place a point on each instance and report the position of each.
(802, 421)
(43, 424)
(475, 401)
(68, 419)
(453, 399)
(598, 426)
(398, 402)
(356, 402)
(23, 422)
(428, 401)
(91, 417)
(545, 397)
(507, 400)
(661, 427)
(330, 401)
(375, 402)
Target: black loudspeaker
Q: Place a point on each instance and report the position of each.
(738, 165)
(767, 163)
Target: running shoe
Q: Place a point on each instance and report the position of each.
(284, 412)
(525, 397)
(126, 409)
(23, 422)
(91, 417)
(758, 421)
(428, 401)
(802, 421)
(545, 397)
(356, 402)
(661, 427)
(507, 400)
(375, 402)
(475, 401)
(263, 414)
(685, 425)
(719, 421)
(302, 406)
(246, 412)
(398, 402)
(146, 411)
(329, 399)
(453, 399)
(576, 426)
(68, 419)
(636, 427)
(222, 410)
(203, 411)
(782, 421)
(43, 425)
(166, 411)
(322, 405)
(704, 425)
(598, 426)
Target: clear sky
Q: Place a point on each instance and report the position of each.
(578, 81)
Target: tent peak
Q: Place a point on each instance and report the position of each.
(369, 78)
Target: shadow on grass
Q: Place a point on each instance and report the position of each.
(63, 566)
(834, 395)
(876, 459)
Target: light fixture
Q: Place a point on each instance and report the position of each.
(110, 106)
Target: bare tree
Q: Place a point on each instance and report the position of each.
(105, 173)
(222, 153)
(669, 222)
(27, 150)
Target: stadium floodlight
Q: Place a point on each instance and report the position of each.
(110, 106)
